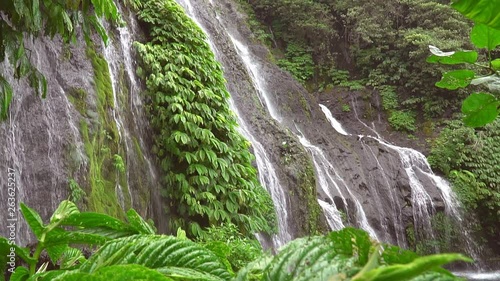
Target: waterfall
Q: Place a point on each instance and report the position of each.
(267, 174)
(42, 138)
(350, 193)
(416, 166)
(129, 116)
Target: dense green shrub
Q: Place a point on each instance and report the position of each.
(227, 241)
(471, 159)
(298, 61)
(208, 178)
(402, 121)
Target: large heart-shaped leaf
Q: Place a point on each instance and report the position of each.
(484, 36)
(480, 109)
(482, 11)
(455, 79)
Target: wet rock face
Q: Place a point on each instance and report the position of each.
(369, 181)
(42, 139)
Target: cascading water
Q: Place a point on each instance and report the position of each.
(42, 139)
(416, 166)
(267, 174)
(333, 189)
(127, 111)
(361, 180)
(329, 179)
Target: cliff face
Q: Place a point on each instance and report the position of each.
(89, 132)
(360, 179)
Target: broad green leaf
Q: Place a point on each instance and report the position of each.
(61, 237)
(482, 11)
(34, 220)
(484, 36)
(455, 79)
(20, 274)
(65, 210)
(139, 224)
(155, 251)
(495, 64)
(455, 58)
(55, 252)
(402, 272)
(183, 273)
(94, 220)
(131, 272)
(480, 109)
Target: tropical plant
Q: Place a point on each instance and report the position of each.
(131, 251)
(209, 178)
(33, 17)
(470, 158)
(402, 121)
(479, 108)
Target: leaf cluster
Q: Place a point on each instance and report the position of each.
(208, 178)
(470, 159)
(131, 251)
(479, 108)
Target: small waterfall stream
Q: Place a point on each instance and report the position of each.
(415, 163)
(376, 206)
(267, 174)
(42, 138)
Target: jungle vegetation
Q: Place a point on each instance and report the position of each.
(214, 194)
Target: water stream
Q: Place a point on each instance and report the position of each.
(267, 175)
(416, 166)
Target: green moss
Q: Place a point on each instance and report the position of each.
(102, 79)
(305, 106)
(410, 236)
(102, 146)
(101, 189)
(138, 149)
(78, 97)
(308, 186)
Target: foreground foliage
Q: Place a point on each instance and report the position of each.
(131, 251)
(482, 107)
(209, 178)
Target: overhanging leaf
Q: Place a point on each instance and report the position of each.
(482, 11)
(455, 58)
(484, 36)
(455, 79)
(480, 109)
(401, 272)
